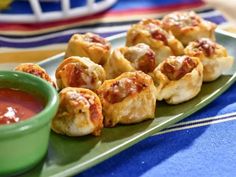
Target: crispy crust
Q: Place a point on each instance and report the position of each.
(178, 91)
(82, 45)
(80, 113)
(79, 72)
(36, 70)
(213, 56)
(150, 32)
(188, 26)
(135, 107)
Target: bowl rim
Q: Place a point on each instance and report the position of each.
(40, 118)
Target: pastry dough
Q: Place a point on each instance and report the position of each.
(188, 26)
(127, 99)
(79, 72)
(79, 113)
(213, 56)
(36, 70)
(89, 45)
(178, 79)
(150, 32)
(124, 59)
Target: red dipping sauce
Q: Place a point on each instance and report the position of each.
(17, 105)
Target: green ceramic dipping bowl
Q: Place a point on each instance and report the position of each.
(24, 144)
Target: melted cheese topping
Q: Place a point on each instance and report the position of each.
(134, 53)
(207, 46)
(176, 67)
(141, 57)
(123, 88)
(182, 19)
(96, 39)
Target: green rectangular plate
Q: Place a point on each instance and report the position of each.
(68, 156)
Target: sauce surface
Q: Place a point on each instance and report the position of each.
(17, 105)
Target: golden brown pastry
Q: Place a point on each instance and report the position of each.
(188, 26)
(79, 72)
(89, 45)
(36, 70)
(124, 59)
(127, 99)
(178, 79)
(79, 113)
(150, 32)
(213, 56)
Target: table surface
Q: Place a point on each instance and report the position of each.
(202, 146)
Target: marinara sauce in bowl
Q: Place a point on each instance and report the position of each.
(17, 105)
(27, 106)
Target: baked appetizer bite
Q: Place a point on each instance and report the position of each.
(36, 70)
(213, 56)
(150, 32)
(127, 99)
(124, 59)
(188, 26)
(89, 45)
(79, 113)
(79, 72)
(178, 79)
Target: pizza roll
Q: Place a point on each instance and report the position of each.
(36, 70)
(178, 79)
(89, 45)
(124, 59)
(150, 32)
(79, 72)
(188, 26)
(127, 99)
(79, 113)
(213, 56)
